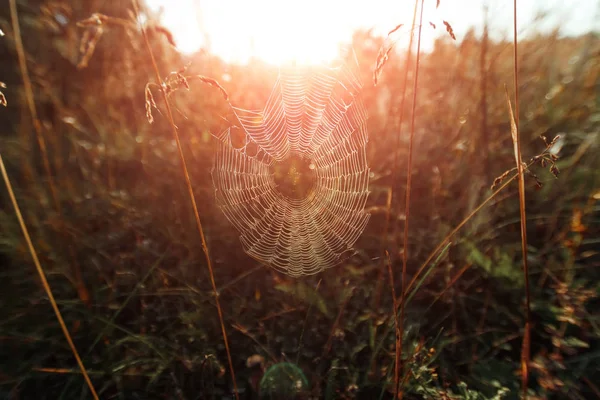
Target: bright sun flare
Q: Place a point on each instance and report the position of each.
(279, 31)
(311, 31)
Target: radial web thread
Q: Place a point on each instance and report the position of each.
(315, 114)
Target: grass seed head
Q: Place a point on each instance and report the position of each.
(449, 29)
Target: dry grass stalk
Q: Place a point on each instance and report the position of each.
(525, 351)
(173, 82)
(594, 388)
(193, 201)
(384, 52)
(166, 33)
(380, 62)
(452, 282)
(90, 38)
(407, 201)
(42, 275)
(449, 29)
(384, 55)
(458, 227)
(390, 197)
(82, 290)
(544, 158)
(514, 128)
(396, 324)
(382, 58)
(28, 87)
(150, 103)
(94, 27)
(384, 243)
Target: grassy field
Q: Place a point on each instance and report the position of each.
(106, 203)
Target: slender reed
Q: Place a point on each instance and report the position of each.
(391, 198)
(395, 304)
(515, 133)
(458, 227)
(443, 244)
(390, 201)
(14, 16)
(483, 85)
(80, 286)
(45, 283)
(407, 203)
(523, 218)
(192, 199)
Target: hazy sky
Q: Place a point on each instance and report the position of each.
(277, 30)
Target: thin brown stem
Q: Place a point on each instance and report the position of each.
(390, 201)
(451, 283)
(483, 71)
(30, 101)
(45, 283)
(396, 325)
(443, 243)
(525, 350)
(384, 239)
(592, 386)
(82, 291)
(192, 199)
(455, 230)
(407, 201)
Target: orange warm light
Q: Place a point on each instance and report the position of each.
(311, 31)
(280, 31)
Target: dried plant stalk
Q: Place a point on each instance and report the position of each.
(525, 350)
(407, 202)
(194, 204)
(42, 275)
(514, 125)
(396, 324)
(30, 101)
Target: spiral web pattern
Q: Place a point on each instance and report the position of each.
(315, 114)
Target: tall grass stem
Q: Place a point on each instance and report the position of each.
(515, 133)
(37, 126)
(407, 201)
(388, 211)
(45, 283)
(193, 201)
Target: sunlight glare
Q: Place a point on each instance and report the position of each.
(276, 31)
(311, 31)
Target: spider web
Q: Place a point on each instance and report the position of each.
(315, 114)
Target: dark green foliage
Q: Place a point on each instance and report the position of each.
(142, 312)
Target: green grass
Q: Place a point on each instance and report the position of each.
(143, 314)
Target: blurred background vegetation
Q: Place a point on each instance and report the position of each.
(118, 240)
